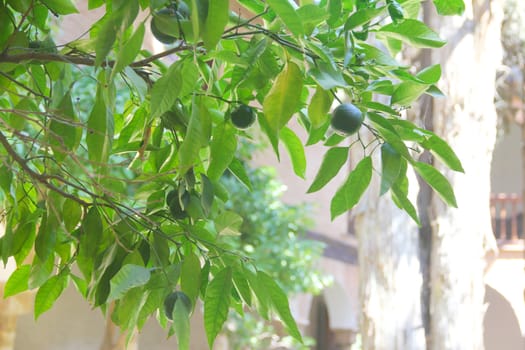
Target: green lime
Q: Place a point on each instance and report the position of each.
(160, 36)
(347, 118)
(172, 23)
(243, 117)
(177, 209)
(171, 299)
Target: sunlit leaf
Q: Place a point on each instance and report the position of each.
(319, 107)
(130, 50)
(390, 167)
(222, 150)
(296, 151)
(215, 22)
(49, 292)
(333, 161)
(437, 181)
(216, 303)
(449, 7)
(129, 276)
(283, 99)
(279, 302)
(17, 281)
(413, 32)
(190, 272)
(61, 7)
(289, 16)
(351, 191)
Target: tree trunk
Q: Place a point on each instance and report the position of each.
(467, 120)
(389, 276)
(114, 339)
(7, 330)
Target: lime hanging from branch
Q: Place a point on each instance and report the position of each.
(347, 118)
(243, 117)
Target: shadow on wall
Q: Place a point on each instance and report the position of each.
(502, 330)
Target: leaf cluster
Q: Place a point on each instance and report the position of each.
(96, 133)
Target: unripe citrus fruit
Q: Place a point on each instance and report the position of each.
(173, 202)
(160, 36)
(168, 23)
(243, 117)
(171, 299)
(347, 118)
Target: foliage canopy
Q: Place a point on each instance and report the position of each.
(96, 135)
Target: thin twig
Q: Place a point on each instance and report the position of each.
(41, 178)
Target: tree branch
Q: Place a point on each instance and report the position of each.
(83, 60)
(41, 178)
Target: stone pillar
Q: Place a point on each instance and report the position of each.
(10, 309)
(343, 338)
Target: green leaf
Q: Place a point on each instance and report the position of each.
(222, 150)
(413, 32)
(129, 276)
(93, 4)
(401, 200)
(273, 134)
(40, 271)
(334, 9)
(181, 323)
(449, 7)
(437, 181)
(194, 140)
(46, 238)
(106, 36)
(239, 171)
(49, 292)
(24, 236)
(242, 286)
(71, 213)
(61, 7)
(351, 191)
(280, 303)
(443, 151)
(18, 281)
(296, 151)
(390, 167)
(218, 14)
(385, 129)
(284, 96)
(311, 15)
(216, 303)
(287, 13)
(228, 223)
(6, 27)
(130, 50)
(362, 16)
(100, 126)
(430, 75)
(380, 107)
(165, 91)
(207, 194)
(434, 91)
(379, 57)
(327, 76)
(91, 232)
(319, 107)
(64, 136)
(195, 17)
(190, 276)
(263, 298)
(81, 285)
(407, 92)
(333, 161)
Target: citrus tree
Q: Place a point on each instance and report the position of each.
(112, 157)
